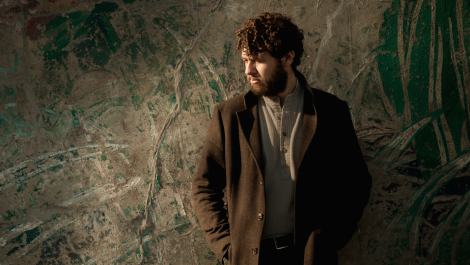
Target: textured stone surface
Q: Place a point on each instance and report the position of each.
(104, 106)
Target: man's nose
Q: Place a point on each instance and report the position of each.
(250, 68)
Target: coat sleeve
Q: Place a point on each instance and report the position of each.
(208, 185)
(353, 189)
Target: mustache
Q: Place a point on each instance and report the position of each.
(254, 78)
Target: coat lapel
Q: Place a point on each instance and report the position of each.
(309, 123)
(248, 119)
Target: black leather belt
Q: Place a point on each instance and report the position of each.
(280, 242)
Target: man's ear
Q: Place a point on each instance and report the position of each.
(288, 59)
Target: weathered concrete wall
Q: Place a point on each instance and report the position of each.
(104, 108)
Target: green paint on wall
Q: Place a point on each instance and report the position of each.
(213, 84)
(120, 177)
(171, 102)
(158, 184)
(22, 187)
(186, 101)
(179, 163)
(173, 58)
(127, 211)
(442, 136)
(31, 199)
(418, 88)
(225, 56)
(13, 122)
(222, 79)
(190, 73)
(10, 214)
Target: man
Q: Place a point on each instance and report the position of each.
(287, 156)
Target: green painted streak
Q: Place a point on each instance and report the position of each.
(463, 255)
(179, 163)
(187, 102)
(213, 62)
(429, 148)
(419, 67)
(151, 106)
(102, 40)
(171, 102)
(191, 169)
(389, 66)
(213, 84)
(30, 235)
(222, 79)
(158, 184)
(103, 105)
(173, 58)
(127, 211)
(181, 228)
(161, 88)
(59, 36)
(225, 56)
(190, 72)
(172, 179)
(133, 51)
(10, 214)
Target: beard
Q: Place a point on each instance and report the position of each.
(272, 84)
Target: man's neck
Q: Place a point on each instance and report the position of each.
(290, 86)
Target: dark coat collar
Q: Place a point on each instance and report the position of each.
(248, 120)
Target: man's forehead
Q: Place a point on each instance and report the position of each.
(253, 56)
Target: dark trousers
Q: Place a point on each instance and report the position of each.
(269, 255)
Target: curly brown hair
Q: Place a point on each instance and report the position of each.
(272, 32)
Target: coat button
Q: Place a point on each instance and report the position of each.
(261, 182)
(260, 216)
(284, 150)
(254, 250)
(284, 133)
(280, 117)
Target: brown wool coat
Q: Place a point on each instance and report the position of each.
(332, 186)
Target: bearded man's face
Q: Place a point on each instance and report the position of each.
(265, 74)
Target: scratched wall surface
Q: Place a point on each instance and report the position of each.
(104, 108)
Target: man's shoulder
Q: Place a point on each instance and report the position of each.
(325, 96)
(326, 99)
(320, 97)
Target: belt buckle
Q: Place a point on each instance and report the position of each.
(281, 247)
